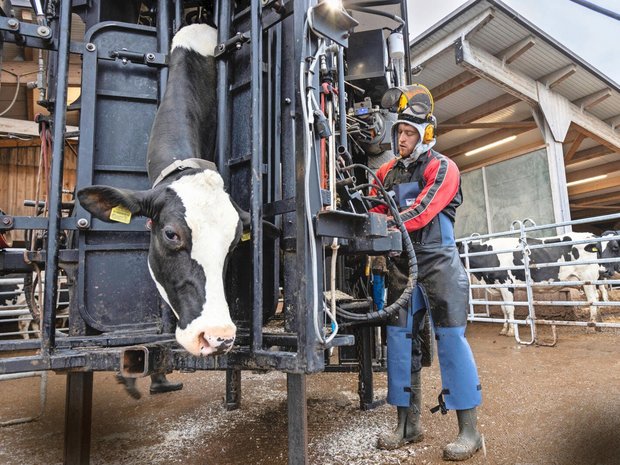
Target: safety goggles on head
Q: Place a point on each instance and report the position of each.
(414, 100)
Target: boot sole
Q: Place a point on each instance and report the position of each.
(381, 445)
(161, 390)
(456, 457)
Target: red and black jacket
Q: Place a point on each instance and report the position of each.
(430, 217)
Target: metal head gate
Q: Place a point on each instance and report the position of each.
(274, 59)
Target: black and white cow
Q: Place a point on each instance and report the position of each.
(194, 223)
(559, 253)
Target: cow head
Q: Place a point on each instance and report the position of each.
(194, 225)
(607, 249)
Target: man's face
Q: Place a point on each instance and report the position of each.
(408, 138)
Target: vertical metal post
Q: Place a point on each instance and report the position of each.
(405, 15)
(257, 174)
(223, 97)
(341, 100)
(233, 389)
(363, 343)
(297, 419)
(290, 142)
(528, 288)
(163, 42)
(178, 15)
(78, 412)
(48, 337)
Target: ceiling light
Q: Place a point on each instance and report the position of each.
(490, 146)
(583, 181)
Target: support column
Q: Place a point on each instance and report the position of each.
(297, 419)
(557, 173)
(78, 413)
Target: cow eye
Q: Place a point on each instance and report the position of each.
(171, 235)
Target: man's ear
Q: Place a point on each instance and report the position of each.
(103, 201)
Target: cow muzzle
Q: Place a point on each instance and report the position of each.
(215, 344)
(202, 339)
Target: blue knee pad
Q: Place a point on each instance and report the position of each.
(459, 375)
(399, 346)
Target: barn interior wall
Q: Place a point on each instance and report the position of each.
(19, 168)
(517, 189)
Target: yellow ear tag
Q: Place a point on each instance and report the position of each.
(120, 214)
(246, 236)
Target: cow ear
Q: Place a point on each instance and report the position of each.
(105, 202)
(243, 215)
(592, 248)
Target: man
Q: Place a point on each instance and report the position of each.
(426, 187)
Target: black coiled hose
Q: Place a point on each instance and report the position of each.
(403, 301)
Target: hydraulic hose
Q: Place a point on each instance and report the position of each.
(403, 301)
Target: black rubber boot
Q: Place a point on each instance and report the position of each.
(408, 429)
(469, 440)
(130, 385)
(160, 384)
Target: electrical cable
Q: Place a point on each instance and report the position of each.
(598, 9)
(308, 121)
(370, 11)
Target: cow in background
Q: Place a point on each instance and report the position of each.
(194, 223)
(562, 254)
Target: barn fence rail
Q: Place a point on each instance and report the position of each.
(527, 230)
(16, 316)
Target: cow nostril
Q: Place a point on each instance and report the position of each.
(203, 342)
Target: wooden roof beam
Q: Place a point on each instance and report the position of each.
(556, 77)
(612, 197)
(589, 154)
(485, 65)
(487, 108)
(463, 167)
(24, 128)
(610, 182)
(514, 51)
(452, 85)
(495, 125)
(589, 101)
(599, 170)
(458, 82)
(570, 153)
(484, 140)
(614, 122)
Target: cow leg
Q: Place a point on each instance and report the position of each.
(592, 296)
(23, 322)
(509, 311)
(604, 294)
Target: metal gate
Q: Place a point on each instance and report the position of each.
(523, 232)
